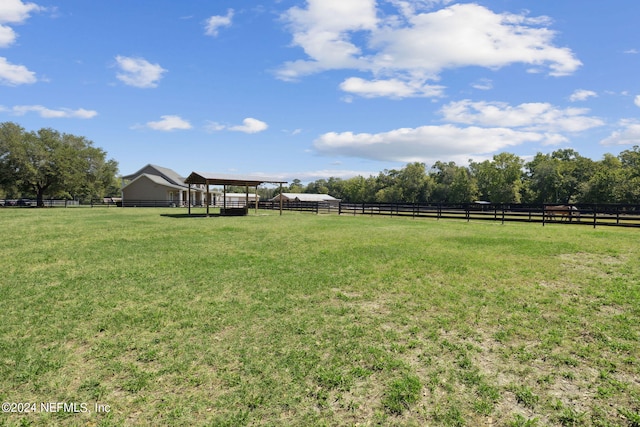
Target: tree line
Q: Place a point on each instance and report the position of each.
(562, 177)
(47, 163)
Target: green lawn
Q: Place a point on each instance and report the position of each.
(309, 320)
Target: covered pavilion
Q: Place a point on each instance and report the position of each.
(207, 179)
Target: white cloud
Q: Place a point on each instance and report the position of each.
(628, 134)
(214, 126)
(474, 129)
(636, 100)
(169, 123)
(47, 113)
(138, 72)
(393, 88)
(7, 36)
(218, 21)
(483, 84)
(16, 12)
(308, 176)
(13, 12)
(535, 116)
(13, 75)
(424, 143)
(249, 125)
(417, 46)
(411, 7)
(323, 31)
(582, 95)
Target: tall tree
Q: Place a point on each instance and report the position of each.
(500, 179)
(606, 183)
(413, 183)
(51, 163)
(575, 171)
(10, 137)
(296, 186)
(631, 160)
(543, 179)
(453, 183)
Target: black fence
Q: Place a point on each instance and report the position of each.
(315, 207)
(620, 215)
(585, 214)
(27, 203)
(132, 203)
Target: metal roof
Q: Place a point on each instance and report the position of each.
(150, 169)
(209, 178)
(156, 179)
(308, 197)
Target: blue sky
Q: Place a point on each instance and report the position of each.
(318, 88)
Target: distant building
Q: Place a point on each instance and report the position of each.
(238, 200)
(307, 197)
(158, 186)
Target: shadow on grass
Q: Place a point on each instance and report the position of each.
(194, 215)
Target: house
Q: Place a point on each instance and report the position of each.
(323, 199)
(159, 186)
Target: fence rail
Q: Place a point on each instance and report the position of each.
(585, 214)
(32, 202)
(619, 215)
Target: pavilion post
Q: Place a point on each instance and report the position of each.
(189, 199)
(280, 198)
(255, 199)
(208, 199)
(224, 198)
(246, 199)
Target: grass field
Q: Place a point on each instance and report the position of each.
(148, 318)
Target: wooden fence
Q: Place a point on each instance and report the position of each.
(32, 203)
(619, 215)
(593, 215)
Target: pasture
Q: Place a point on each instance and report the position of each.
(148, 318)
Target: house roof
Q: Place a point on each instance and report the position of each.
(156, 179)
(210, 178)
(168, 174)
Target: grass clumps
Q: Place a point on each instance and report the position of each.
(401, 394)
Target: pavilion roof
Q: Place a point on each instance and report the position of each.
(209, 178)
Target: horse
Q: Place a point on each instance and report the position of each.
(566, 212)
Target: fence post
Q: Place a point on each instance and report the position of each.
(595, 208)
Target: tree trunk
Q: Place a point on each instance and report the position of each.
(40, 195)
